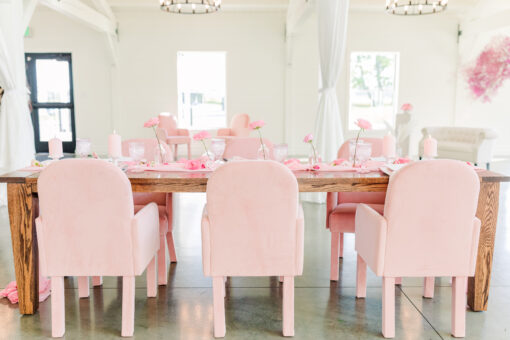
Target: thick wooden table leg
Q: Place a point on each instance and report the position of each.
(487, 212)
(22, 211)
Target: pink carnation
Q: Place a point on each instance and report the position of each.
(363, 124)
(339, 161)
(402, 161)
(201, 135)
(257, 124)
(151, 122)
(308, 138)
(194, 164)
(406, 107)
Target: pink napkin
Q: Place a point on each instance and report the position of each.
(178, 167)
(11, 290)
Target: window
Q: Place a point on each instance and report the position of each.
(50, 79)
(201, 85)
(373, 88)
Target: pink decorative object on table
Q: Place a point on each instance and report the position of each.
(309, 139)
(114, 145)
(153, 123)
(55, 148)
(429, 147)
(363, 125)
(202, 136)
(402, 161)
(257, 125)
(389, 146)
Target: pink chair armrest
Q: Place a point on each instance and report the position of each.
(206, 243)
(224, 132)
(474, 249)
(371, 230)
(300, 237)
(331, 203)
(182, 132)
(145, 236)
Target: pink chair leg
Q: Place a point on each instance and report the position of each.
(175, 151)
(83, 286)
(162, 266)
(128, 305)
(219, 307)
(152, 287)
(428, 287)
(459, 307)
(398, 281)
(97, 281)
(280, 279)
(288, 306)
(189, 150)
(361, 278)
(58, 316)
(334, 255)
(341, 254)
(171, 247)
(388, 307)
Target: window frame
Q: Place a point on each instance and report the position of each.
(30, 63)
(396, 86)
(182, 121)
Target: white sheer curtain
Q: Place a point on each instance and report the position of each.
(16, 131)
(332, 19)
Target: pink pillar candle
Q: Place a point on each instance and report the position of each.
(389, 146)
(114, 145)
(55, 148)
(429, 147)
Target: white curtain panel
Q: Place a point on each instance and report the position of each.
(16, 131)
(332, 19)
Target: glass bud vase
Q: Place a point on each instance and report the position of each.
(263, 152)
(160, 155)
(314, 159)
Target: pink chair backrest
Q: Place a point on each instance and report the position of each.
(245, 147)
(150, 148)
(86, 209)
(240, 125)
(252, 208)
(430, 209)
(362, 197)
(168, 123)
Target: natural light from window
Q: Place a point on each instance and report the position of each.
(373, 88)
(201, 83)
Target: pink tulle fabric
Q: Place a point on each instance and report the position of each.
(11, 290)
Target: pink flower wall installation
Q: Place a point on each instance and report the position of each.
(490, 70)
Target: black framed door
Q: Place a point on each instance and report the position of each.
(50, 79)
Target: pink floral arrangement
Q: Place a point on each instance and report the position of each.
(153, 123)
(202, 136)
(406, 107)
(194, 164)
(257, 125)
(492, 67)
(291, 162)
(309, 139)
(363, 125)
(402, 161)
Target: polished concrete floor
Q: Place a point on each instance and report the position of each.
(323, 309)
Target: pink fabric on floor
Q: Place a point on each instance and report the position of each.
(11, 290)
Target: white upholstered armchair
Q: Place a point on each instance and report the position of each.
(466, 144)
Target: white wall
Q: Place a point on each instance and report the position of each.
(474, 112)
(53, 32)
(146, 76)
(428, 65)
(256, 67)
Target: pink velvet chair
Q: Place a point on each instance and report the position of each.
(252, 225)
(341, 208)
(174, 136)
(245, 147)
(428, 229)
(94, 233)
(239, 127)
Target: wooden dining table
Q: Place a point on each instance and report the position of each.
(23, 209)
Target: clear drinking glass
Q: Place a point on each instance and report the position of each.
(136, 151)
(217, 148)
(280, 152)
(83, 147)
